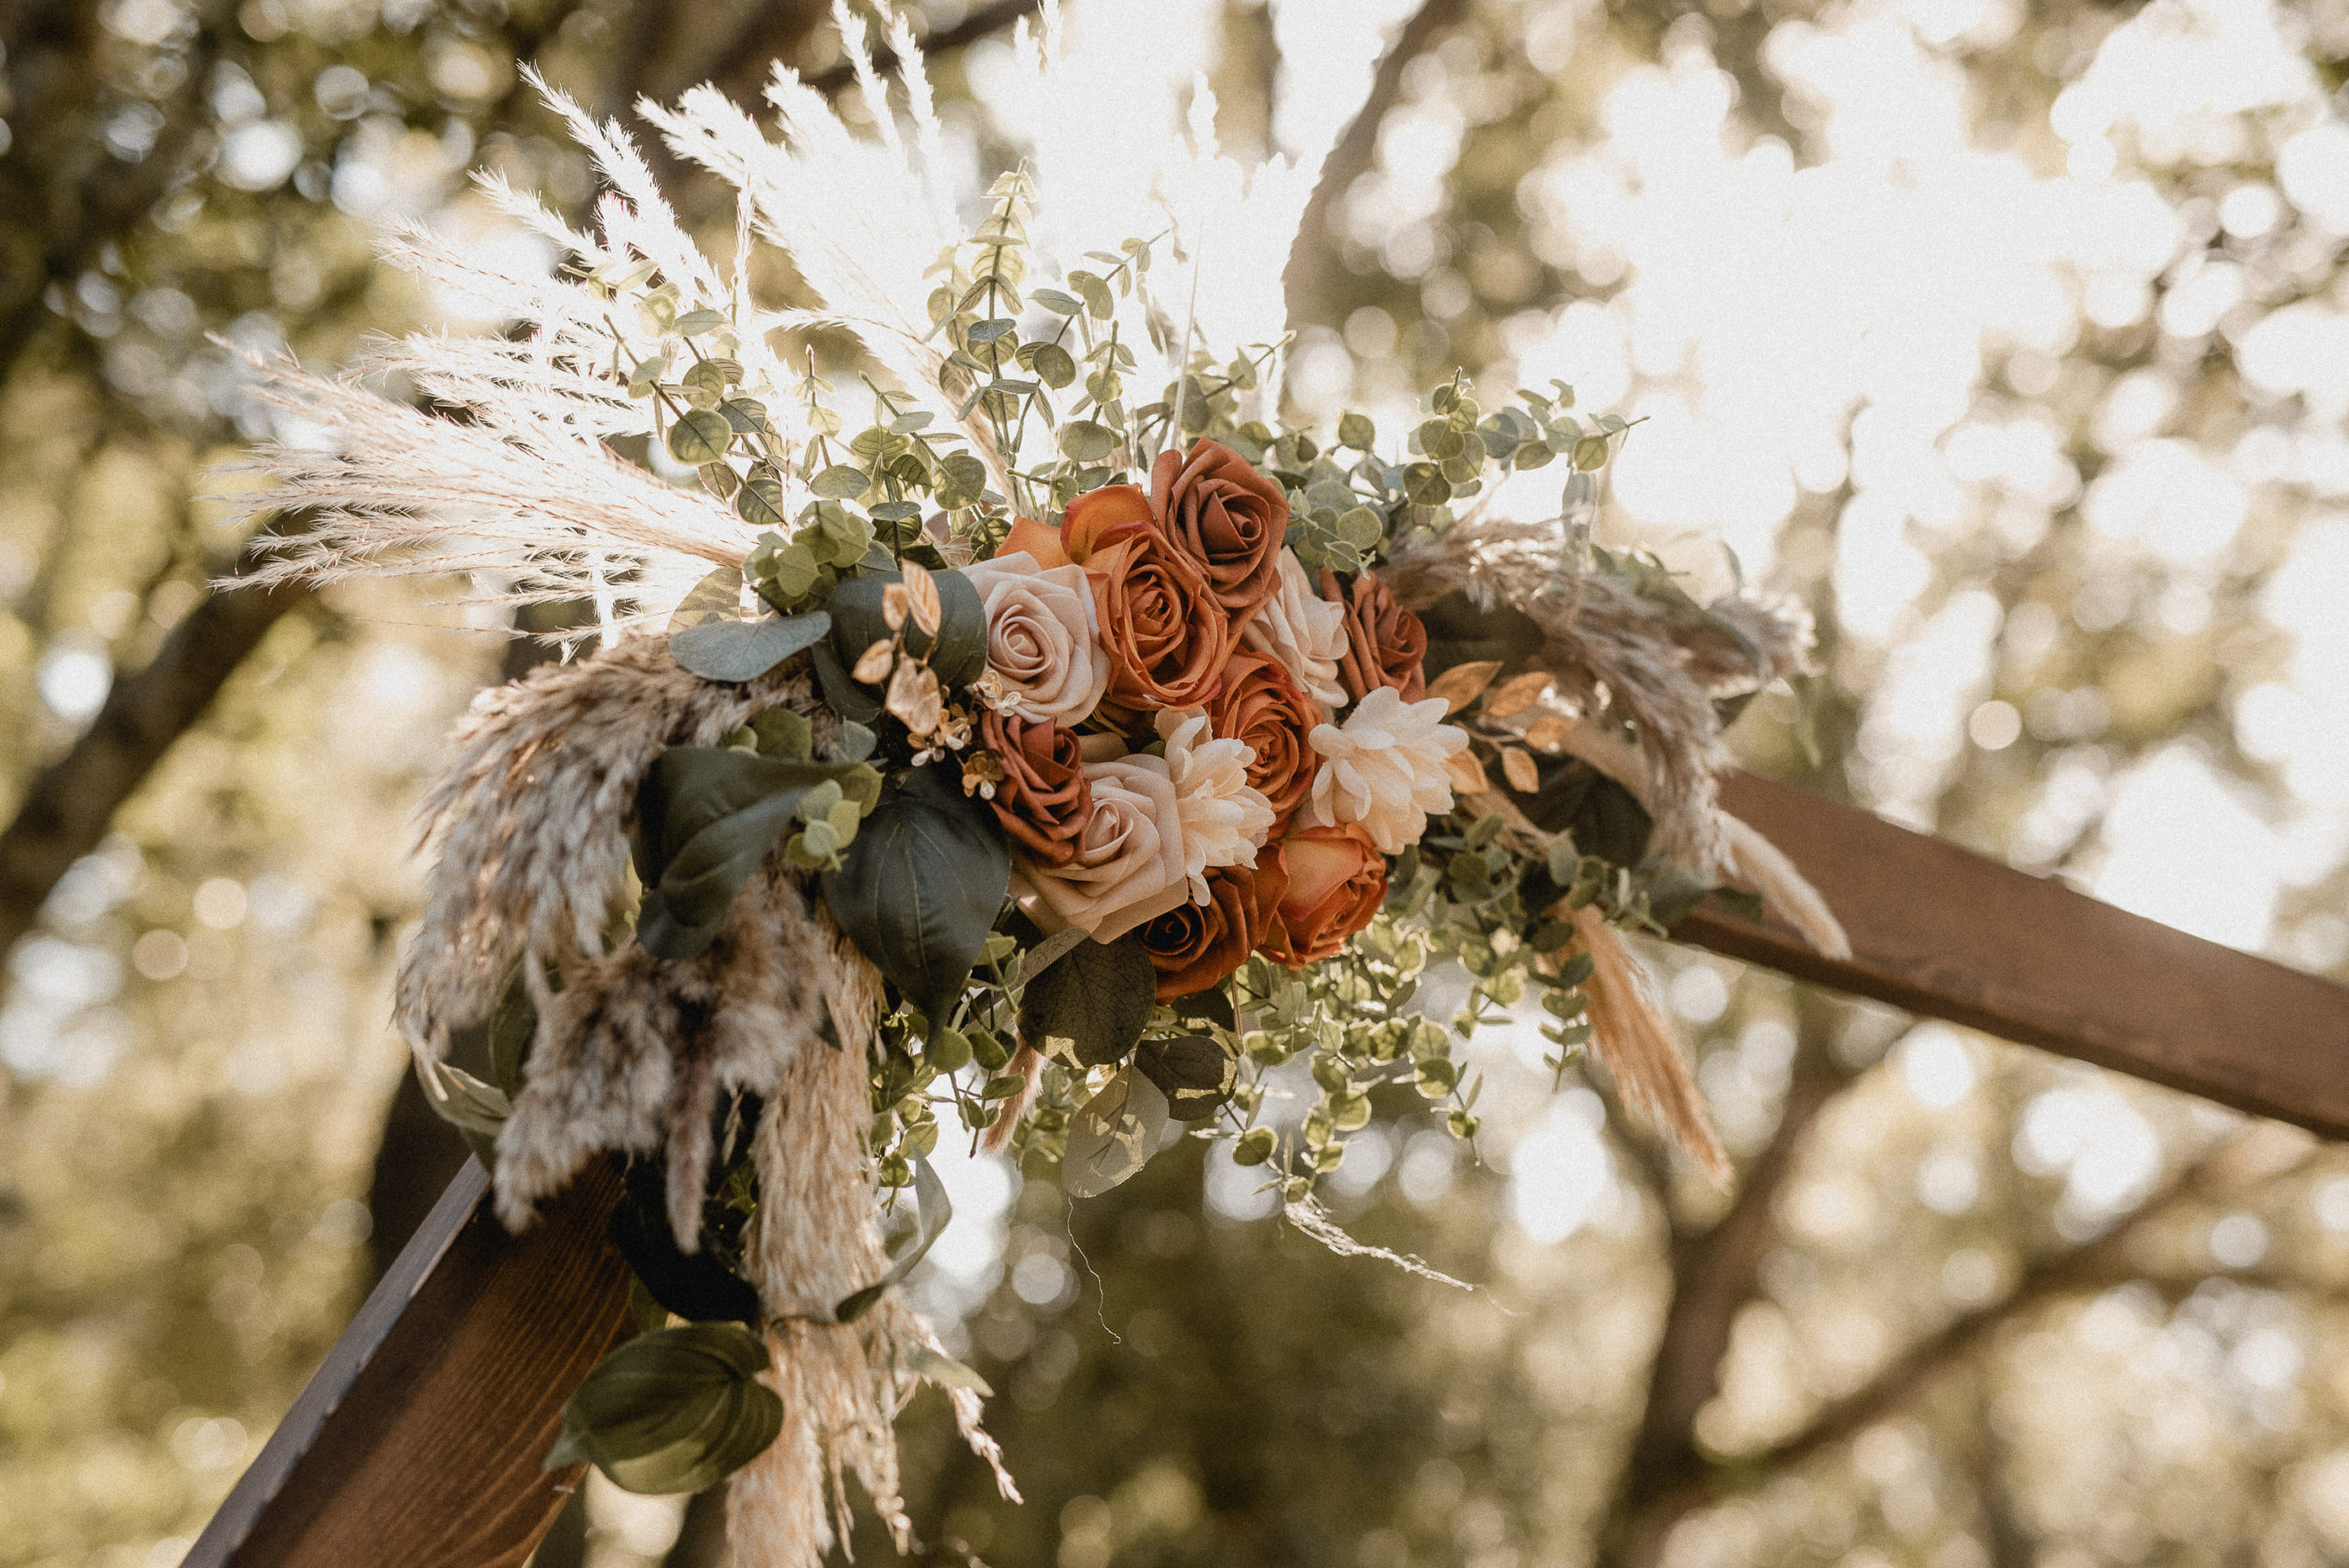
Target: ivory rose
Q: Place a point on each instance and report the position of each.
(1044, 801)
(1261, 707)
(1386, 644)
(1336, 880)
(1386, 769)
(1166, 634)
(1304, 631)
(1197, 945)
(1224, 818)
(1214, 506)
(1129, 863)
(1043, 638)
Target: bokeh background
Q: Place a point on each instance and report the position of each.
(2013, 338)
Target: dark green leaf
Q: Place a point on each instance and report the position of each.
(745, 649)
(935, 1211)
(856, 742)
(919, 888)
(1113, 1134)
(784, 734)
(1459, 632)
(1099, 998)
(675, 1410)
(511, 1028)
(1194, 1073)
(697, 1285)
(705, 817)
(700, 437)
(841, 694)
(961, 651)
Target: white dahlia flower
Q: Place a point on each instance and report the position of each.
(1385, 769)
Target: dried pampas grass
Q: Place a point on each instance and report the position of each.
(1631, 1037)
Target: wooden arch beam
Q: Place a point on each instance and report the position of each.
(418, 1441)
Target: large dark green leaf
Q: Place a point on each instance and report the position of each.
(933, 1211)
(705, 816)
(1460, 633)
(675, 1410)
(745, 649)
(961, 650)
(854, 703)
(919, 888)
(1098, 998)
(1194, 1073)
(698, 1286)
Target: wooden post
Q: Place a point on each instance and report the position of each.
(418, 1441)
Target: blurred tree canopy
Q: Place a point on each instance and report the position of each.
(2012, 340)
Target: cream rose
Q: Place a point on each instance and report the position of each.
(1129, 861)
(1304, 633)
(1043, 640)
(1386, 768)
(1224, 818)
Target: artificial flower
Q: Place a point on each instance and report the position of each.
(1304, 631)
(1129, 863)
(1043, 638)
(1196, 946)
(1167, 633)
(1386, 769)
(1335, 882)
(1215, 507)
(1386, 644)
(1261, 707)
(1100, 518)
(1041, 798)
(1224, 818)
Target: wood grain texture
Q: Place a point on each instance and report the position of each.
(1940, 931)
(417, 1443)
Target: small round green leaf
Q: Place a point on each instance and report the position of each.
(700, 437)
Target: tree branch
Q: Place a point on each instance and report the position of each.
(1351, 157)
(66, 811)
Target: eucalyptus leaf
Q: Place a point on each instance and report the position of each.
(1113, 1134)
(705, 816)
(717, 596)
(1099, 998)
(700, 437)
(745, 649)
(938, 1367)
(934, 1211)
(1214, 1004)
(675, 1410)
(919, 888)
(1194, 1073)
(841, 482)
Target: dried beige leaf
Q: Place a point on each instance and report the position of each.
(873, 664)
(1517, 766)
(1467, 773)
(921, 597)
(1548, 732)
(915, 697)
(894, 603)
(1517, 694)
(1461, 685)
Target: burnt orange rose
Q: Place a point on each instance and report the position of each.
(1195, 946)
(1384, 642)
(1260, 706)
(1337, 879)
(1100, 518)
(1167, 633)
(1044, 801)
(1216, 509)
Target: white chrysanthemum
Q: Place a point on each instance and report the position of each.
(1225, 819)
(1304, 633)
(1386, 768)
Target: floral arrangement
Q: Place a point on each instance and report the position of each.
(1049, 763)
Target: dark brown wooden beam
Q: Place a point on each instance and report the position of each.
(1939, 931)
(419, 1438)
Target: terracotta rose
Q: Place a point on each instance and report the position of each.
(1196, 946)
(1215, 507)
(1337, 879)
(1384, 642)
(1044, 801)
(1165, 631)
(1260, 706)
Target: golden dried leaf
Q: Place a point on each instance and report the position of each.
(1517, 694)
(1467, 773)
(1517, 766)
(915, 697)
(892, 606)
(1460, 686)
(873, 664)
(921, 596)
(1547, 733)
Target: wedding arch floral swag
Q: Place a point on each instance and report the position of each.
(1026, 736)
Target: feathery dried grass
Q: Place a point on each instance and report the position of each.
(1630, 1037)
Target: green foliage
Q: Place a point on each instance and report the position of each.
(744, 650)
(1097, 999)
(675, 1410)
(934, 1212)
